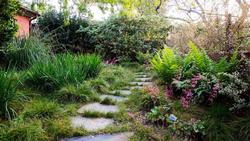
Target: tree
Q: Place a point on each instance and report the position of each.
(8, 27)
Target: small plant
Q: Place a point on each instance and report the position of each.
(93, 114)
(159, 115)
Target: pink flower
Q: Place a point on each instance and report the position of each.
(169, 91)
(186, 98)
(195, 80)
(214, 92)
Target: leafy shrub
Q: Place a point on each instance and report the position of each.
(50, 75)
(24, 131)
(8, 94)
(23, 52)
(65, 37)
(236, 89)
(42, 109)
(7, 22)
(122, 37)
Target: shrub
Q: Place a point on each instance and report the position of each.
(50, 75)
(23, 52)
(8, 9)
(66, 37)
(115, 38)
(20, 131)
(42, 109)
(9, 96)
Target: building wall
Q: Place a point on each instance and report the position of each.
(23, 26)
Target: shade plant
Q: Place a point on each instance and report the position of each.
(191, 77)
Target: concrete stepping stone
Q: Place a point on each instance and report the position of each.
(97, 107)
(143, 79)
(115, 98)
(141, 76)
(141, 83)
(91, 124)
(105, 137)
(136, 87)
(139, 73)
(124, 92)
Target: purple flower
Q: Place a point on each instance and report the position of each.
(186, 98)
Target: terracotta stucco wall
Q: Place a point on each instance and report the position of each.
(23, 26)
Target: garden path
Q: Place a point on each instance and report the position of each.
(93, 125)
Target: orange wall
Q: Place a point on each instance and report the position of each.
(23, 26)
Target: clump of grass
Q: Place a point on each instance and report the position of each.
(108, 101)
(42, 109)
(49, 75)
(71, 93)
(94, 114)
(217, 127)
(9, 97)
(22, 53)
(24, 131)
(61, 128)
(116, 76)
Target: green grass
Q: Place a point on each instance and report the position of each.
(42, 109)
(24, 131)
(93, 114)
(9, 97)
(22, 53)
(50, 75)
(108, 101)
(61, 128)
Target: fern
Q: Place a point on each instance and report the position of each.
(166, 64)
(199, 58)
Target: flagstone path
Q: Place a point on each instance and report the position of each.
(96, 124)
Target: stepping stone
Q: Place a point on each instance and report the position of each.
(141, 76)
(105, 137)
(124, 92)
(143, 79)
(91, 124)
(97, 107)
(115, 98)
(139, 73)
(141, 83)
(136, 87)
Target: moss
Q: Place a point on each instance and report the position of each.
(108, 101)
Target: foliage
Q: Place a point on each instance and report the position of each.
(166, 64)
(8, 27)
(159, 114)
(42, 109)
(193, 130)
(49, 75)
(65, 37)
(8, 94)
(24, 131)
(149, 32)
(23, 52)
(236, 89)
